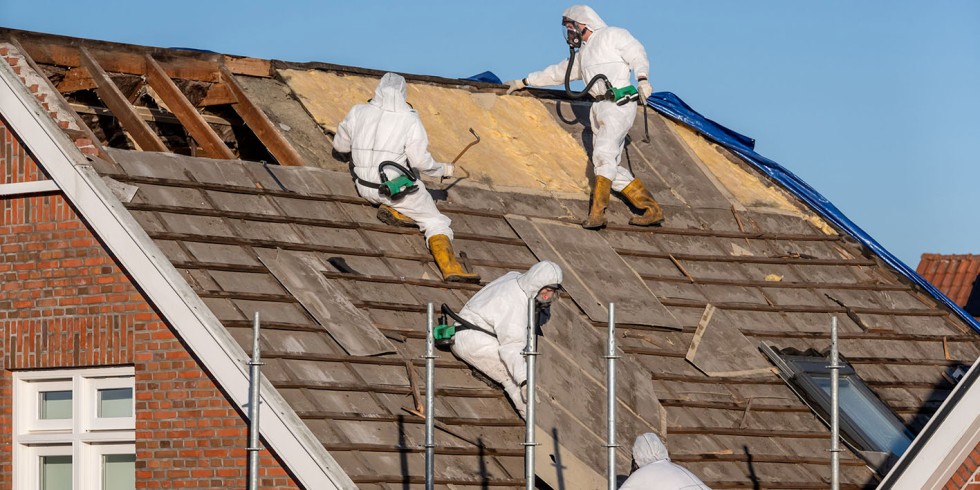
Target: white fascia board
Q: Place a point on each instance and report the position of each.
(18, 189)
(944, 443)
(164, 287)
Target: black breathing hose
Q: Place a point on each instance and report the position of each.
(568, 76)
(446, 310)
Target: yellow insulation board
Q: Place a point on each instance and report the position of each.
(521, 146)
(746, 187)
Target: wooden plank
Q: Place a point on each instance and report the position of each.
(218, 94)
(254, 67)
(326, 303)
(145, 137)
(119, 58)
(610, 279)
(76, 79)
(261, 125)
(192, 121)
(718, 349)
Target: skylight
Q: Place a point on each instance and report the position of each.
(866, 423)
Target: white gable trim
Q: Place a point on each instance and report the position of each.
(944, 443)
(220, 354)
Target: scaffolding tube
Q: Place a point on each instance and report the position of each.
(611, 399)
(834, 408)
(430, 390)
(530, 352)
(253, 409)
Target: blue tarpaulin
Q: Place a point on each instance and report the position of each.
(673, 107)
(487, 76)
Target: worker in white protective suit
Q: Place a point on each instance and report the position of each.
(387, 130)
(499, 312)
(612, 52)
(652, 468)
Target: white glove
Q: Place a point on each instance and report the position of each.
(448, 169)
(524, 392)
(515, 85)
(644, 89)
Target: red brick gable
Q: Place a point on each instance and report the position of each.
(65, 303)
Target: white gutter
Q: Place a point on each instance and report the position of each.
(196, 325)
(944, 443)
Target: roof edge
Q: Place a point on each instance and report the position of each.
(220, 354)
(944, 443)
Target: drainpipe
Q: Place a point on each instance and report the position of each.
(834, 408)
(253, 409)
(530, 352)
(430, 390)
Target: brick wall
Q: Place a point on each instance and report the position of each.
(967, 477)
(65, 303)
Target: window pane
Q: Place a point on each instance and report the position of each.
(116, 402)
(55, 405)
(877, 426)
(56, 473)
(119, 472)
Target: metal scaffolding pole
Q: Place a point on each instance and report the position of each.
(834, 408)
(611, 398)
(254, 381)
(530, 352)
(430, 390)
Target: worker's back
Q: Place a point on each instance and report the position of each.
(663, 475)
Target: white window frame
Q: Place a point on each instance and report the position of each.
(85, 436)
(92, 470)
(33, 421)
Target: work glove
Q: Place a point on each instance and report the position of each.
(644, 89)
(515, 85)
(524, 392)
(448, 169)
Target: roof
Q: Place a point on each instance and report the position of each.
(954, 275)
(740, 261)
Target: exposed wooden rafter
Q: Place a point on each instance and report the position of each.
(144, 135)
(259, 122)
(192, 121)
(86, 132)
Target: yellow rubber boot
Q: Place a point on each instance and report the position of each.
(639, 197)
(442, 251)
(600, 199)
(390, 216)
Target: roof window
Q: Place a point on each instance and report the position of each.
(866, 423)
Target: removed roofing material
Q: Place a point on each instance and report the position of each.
(731, 231)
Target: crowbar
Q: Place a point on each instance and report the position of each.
(467, 146)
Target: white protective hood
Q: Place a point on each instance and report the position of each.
(544, 273)
(391, 93)
(583, 14)
(649, 449)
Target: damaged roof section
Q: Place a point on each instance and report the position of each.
(739, 262)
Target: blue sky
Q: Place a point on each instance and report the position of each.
(874, 103)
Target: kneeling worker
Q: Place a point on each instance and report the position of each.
(499, 313)
(388, 144)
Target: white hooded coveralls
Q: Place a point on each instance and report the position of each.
(655, 469)
(501, 307)
(388, 129)
(613, 52)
